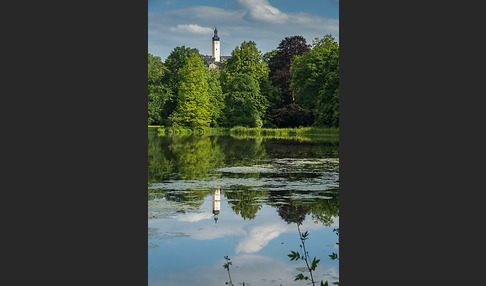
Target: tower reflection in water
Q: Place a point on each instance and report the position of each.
(216, 204)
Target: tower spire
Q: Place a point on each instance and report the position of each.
(215, 37)
(216, 51)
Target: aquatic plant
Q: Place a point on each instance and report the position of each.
(226, 266)
(304, 255)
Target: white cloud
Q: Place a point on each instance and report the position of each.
(192, 28)
(260, 235)
(261, 10)
(194, 217)
(205, 14)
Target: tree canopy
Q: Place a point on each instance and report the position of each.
(279, 65)
(193, 105)
(158, 93)
(296, 84)
(315, 77)
(242, 76)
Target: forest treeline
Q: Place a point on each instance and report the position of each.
(295, 85)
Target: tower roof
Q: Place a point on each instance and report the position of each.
(215, 37)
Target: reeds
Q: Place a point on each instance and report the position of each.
(238, 130)
(245, 131)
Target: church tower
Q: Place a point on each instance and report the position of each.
(216, 50)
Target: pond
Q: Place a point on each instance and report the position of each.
(212, 196)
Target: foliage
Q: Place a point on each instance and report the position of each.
(245, 59)
(268, 55)
(292, 115)
(174, 63)
(315, 78)
(158, 93)
(240, 130)
(290, 86)
(284, 111)
(216, 97)
(244, 103)
(178, 58)
(304, 255)
(272, 97)
(193, 107)
(279, 65)
(226, 266)
(242, 76)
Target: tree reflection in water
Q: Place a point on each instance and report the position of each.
(249, 177)
(190, 157)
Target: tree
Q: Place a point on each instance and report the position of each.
(174, 63)
(192, 108)
(158, 92)
(242, 77)
(268, 55)
(246, 59)
(292, 115)
(315, 78)
(279, 65)
(245, 105)
(284, 111)
(216, 97)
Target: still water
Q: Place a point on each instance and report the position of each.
(213, 196)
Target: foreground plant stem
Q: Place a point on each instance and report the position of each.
(306, 255)
(226, 265)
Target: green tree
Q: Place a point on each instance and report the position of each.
(268, 55)
(242, 77)
(193, 105)
(174, 63)
(216, 97)
(158, 92)
(315, 79)
(245, 105)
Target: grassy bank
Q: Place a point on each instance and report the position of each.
(244, 131)
(284, 131)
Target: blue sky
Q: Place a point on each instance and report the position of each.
(190, 23)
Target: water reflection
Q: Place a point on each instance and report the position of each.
(216, 204)
(212, 196)
(186, 157)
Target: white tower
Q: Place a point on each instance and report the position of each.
(216, 50)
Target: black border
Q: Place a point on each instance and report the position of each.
(408, 130)
(82, 148)
(78, 76)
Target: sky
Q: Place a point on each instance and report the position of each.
(191, 23)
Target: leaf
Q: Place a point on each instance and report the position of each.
(299, 277)
(294, 255)
(314, 263)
